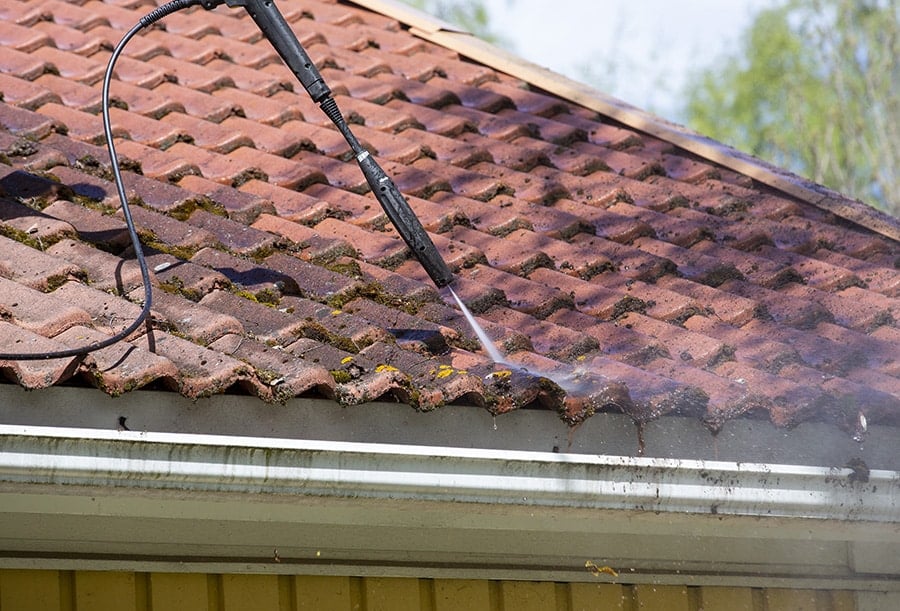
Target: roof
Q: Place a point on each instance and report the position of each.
(614, 269)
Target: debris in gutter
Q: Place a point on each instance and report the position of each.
(597, 571)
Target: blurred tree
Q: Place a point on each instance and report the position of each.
(468, 14)
(815, 89)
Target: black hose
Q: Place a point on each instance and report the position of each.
(146, 21)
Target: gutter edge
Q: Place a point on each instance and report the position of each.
(238, 465)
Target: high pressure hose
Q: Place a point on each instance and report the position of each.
(146, 21)
(282, 38)
(272, 24)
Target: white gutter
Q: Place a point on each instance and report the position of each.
(252, 465)
(127, 500)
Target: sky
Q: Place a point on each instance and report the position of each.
(641, 51)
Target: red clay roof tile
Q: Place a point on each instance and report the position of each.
(261, 82)
(22, 13)
(313, 245)
(435, 121)
(143, 50)
(185, 49)
(275, 140)
(120, 367)
(360, 210)
(37, 312)
(279, 375)
(238, 206)
(69, 93)
(91, 225)
(33, 268)
(105, 272)
(206, 134)
(97, 190)
(189, 319)
(170, 231)
(635, 276)
(202, 371)
(21, 38)
(109, 313)
(246, 274)
(197, 103)
(65, 38)
(273, 110)
(260, 321)
(331, 171)
(289, 204)
(25, 123)
(71, 66)
(78, 124)
(184, 277)
(280, 171)
(236, 237)
(137, 71)
(44, 230)
(192, 75)
(72, 15)
(72, 152)
(33, 374)
(25, 94)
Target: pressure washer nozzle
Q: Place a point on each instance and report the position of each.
(405, 220)
(272, 24)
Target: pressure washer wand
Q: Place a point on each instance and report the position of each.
(279, 33)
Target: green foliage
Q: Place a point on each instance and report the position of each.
(815, 90)
(468, 14)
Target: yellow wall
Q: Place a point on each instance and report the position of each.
(33, 590)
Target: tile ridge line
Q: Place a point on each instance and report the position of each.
(457, 39)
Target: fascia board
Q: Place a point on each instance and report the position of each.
(409, 15)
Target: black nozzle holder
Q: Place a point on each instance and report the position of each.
(405, 220)
(272, 24)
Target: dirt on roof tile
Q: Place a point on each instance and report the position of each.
(105, 271)
(92, 226)
(109, 313)
(314, 246)
(25, 94)
(26, 123)
(38, 373)
(120, 367)
(178, 275)
(38, 312)
(17, 219)
(279, 375)
(34, 268)
(614, 271)
(260, 320)
(169, 233)
(202, 371)
(70, 39)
